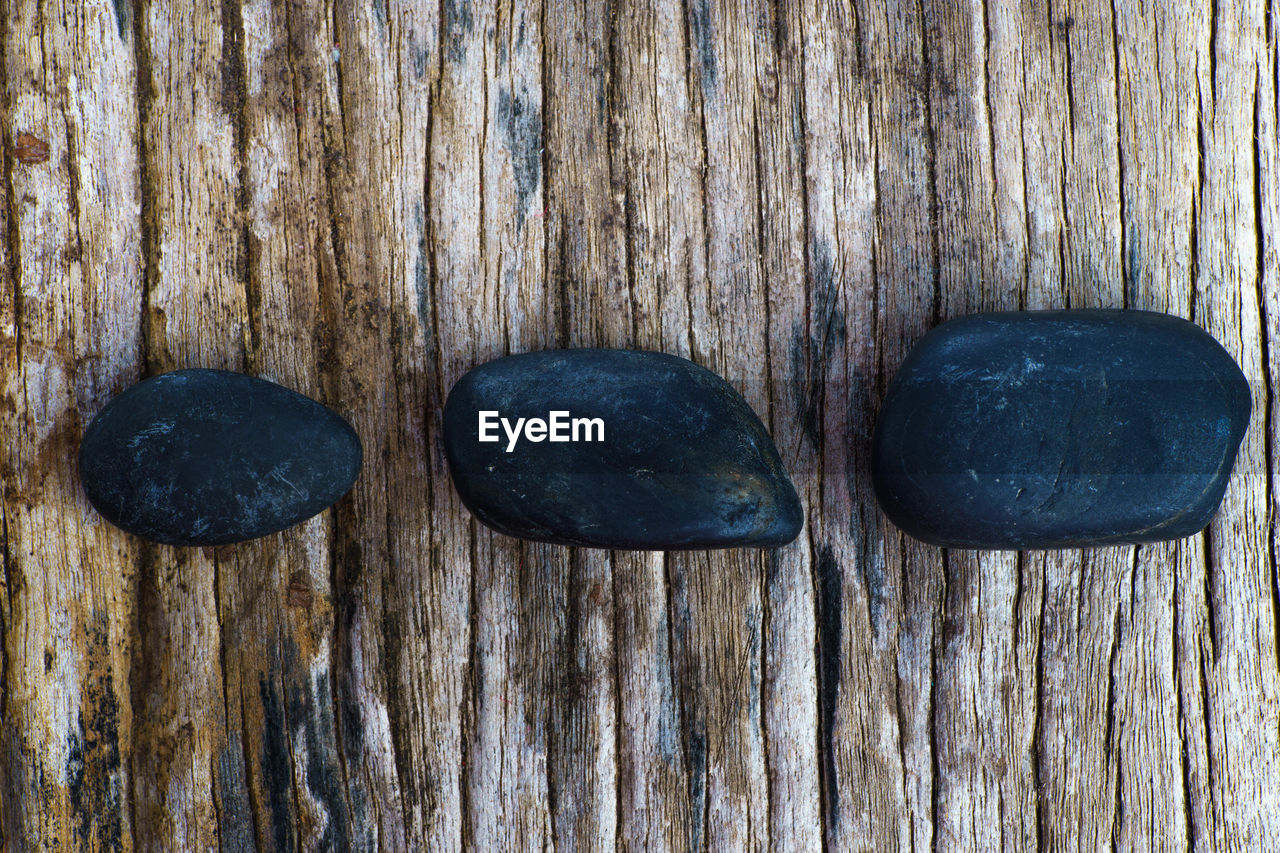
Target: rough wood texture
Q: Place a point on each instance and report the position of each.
(362, 201)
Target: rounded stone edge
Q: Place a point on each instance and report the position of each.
(205, 542)
(891, 509)
(785, 530)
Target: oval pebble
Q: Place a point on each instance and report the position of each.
(1051, 429)
(211, 457)
(681, 460)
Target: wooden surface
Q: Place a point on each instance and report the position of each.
(362, 201)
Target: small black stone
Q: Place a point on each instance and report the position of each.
(1054, 429)
(684, 462)
(210, 457)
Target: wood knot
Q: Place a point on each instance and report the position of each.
(30, 149)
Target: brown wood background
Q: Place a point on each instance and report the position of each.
(363, 200)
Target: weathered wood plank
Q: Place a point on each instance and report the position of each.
(838, 363)
(878, 594)
(1159, 149)
(587, 277)
(196, 315)
(985, 715)
(485, 167)
(364, 201)
(1239, 683)
(718, 611)
(1079, 627)
(789, 692)
(391, 677)
(1266, 155)
(656, 153)
(275, 600)
(71, 338)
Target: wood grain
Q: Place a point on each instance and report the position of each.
(362, 201)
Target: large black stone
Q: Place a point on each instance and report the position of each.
(1052, 429)
(209, 457)
(685, 463)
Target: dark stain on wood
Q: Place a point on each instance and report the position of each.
(422, 276)
(277, 772)
(418, 55)
(235, 811)
(350, 719)
(573, 678)
(48, 464)
(956, 580)
(456, 25)
(830, 618)
(521, 124)
(399, 712)
(704, 41)
(232, 63)
(9, 570)
(322, 773)
(123, 11)
(347, 559)
(811, 353)
(696, 750)
(93, 753)
(865, 526)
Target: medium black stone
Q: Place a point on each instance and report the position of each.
(684, 462)
(1052, 429)
(209, 457)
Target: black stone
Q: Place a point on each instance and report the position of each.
(685, 463)
(209, 457)
(1053, 429)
